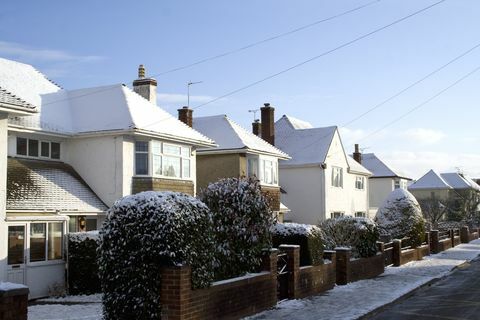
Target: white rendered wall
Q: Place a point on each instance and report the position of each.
(380, 188)
(3, 197)
(98, 160)
(305, 194)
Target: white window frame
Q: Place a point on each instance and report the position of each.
(337, 214)
(337, 171)
(184, 155)
(359, 183)
(27, 155)
(360, 214)
(260, 168)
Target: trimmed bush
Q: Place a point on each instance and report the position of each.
(143, 232)
(400, 216)
(359, 234)
(310, 238)
(242, 220)
(82, 263)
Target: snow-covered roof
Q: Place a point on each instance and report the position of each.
(231, 136)
(379, 168)
(25, 82)
(288, 123)
(305, 146)
(48, 186)
(457, 181)
(356, 167)
(431, 180)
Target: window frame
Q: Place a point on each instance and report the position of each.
(40, 143)
(337, 171)
(362, 183)
(259, 166)
(360, 214)
(337, 214)
(46, 261)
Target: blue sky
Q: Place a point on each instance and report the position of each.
(90, 43)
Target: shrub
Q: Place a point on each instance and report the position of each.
(310, 238)
(242, 220)
(400, 216)
(143, 232)
(82, 263)
(359, 234)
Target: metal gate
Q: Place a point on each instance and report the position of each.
(282, 276)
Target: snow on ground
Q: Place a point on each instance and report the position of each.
(359, 298)
(343, 302)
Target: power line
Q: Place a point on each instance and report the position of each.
(277, 36)
(230, 52)
(392, 97)
(321, 55)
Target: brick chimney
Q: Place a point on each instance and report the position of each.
(257, 128)
(357, 155)
(267, 126)
(146, 87)
(186, 116)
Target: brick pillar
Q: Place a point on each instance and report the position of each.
(380, 246)
(464, 235)
(397, 253)
(452, 236)
(268, 130)
(293, 266)
(434, 242)
(427, 238)
(269, 261)
(13, 302)
(343, 265)
(175, 292)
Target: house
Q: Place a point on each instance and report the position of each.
(383, 180)
(320, 180)
(83, 150)
(239, 153)
(452, 189)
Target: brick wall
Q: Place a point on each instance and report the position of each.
(366, 268)
(273, 196)
(140, 184)
(13, 303)
(231, 299)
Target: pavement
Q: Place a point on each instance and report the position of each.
(454, 297)
(368, 297)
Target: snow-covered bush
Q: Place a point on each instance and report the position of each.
(400, 216)
(82, 263)
(309, 237)
(242, 220)
(359, 234)
(143, 232)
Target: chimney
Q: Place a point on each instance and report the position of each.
(257, 128)
(268, 130)
(186, 116)
(146, 87)
(357, 155)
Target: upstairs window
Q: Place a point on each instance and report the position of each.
(337, 177)
(264, 169)
(360, 183)
(36, 148)
(162, 159)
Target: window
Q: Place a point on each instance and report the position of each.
(22, 146)
(397, 184)
(38, 240)
(141, 157)
(337, 177)
(252, 167)
(42, 249)
(167, 160)
(36, 148)
(360, 183)
(268, 172)
(360, 214)
(16, 244)
(337, 214)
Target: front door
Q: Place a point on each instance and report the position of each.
(16, 254)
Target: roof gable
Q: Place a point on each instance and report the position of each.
(431, 180)
(231, 136)
(378, 167)
(457, 181)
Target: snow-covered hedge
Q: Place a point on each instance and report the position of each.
(400, 216)
(143, 232)
(242, 220)
(82, 263)
(310, 238)
(359, 234)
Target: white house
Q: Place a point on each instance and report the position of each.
(85, 148)
(320, 181)
(383, 180)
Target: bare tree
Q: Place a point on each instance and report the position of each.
(433, 210)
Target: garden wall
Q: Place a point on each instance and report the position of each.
(13, 301)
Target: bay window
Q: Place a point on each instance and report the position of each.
(158, 158)
(265, 169)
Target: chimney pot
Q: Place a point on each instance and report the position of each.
(146, 87)
(141, 71)
(257, 128)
